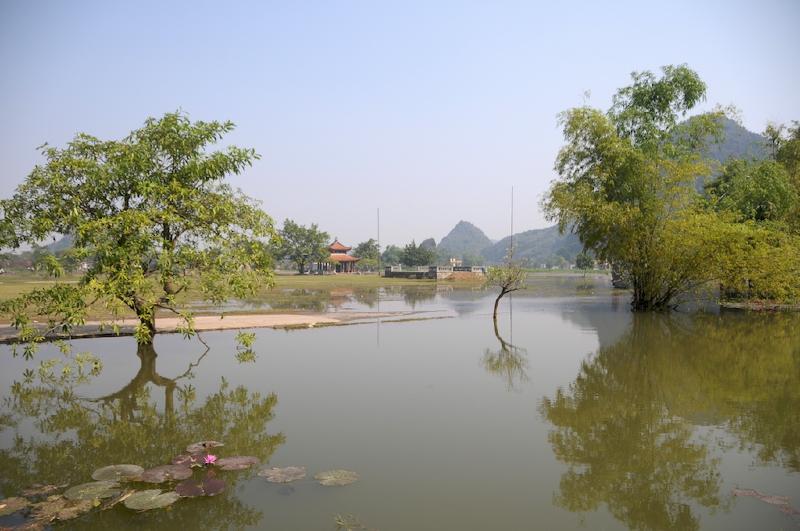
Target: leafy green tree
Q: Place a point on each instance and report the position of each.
(625, 184)
(303, 245)
(367, 250)
(756, 190)
(391, 255)
(369, 253)
(153, 212)
(584, 262)
(471, 260)
(417, 255)
(509, 277)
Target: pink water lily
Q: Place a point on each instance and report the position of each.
(210, 459)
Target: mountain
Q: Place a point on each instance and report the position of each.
(464, 239)
(66, 242)
(536, 247)
(738, 142)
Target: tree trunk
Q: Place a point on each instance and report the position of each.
(496, 303)
(147, 317)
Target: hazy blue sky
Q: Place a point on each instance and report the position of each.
(429, 110)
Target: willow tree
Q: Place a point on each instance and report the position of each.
(626, 180)
(152, 217)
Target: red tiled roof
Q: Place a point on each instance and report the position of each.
(340, 257)
(337, 246)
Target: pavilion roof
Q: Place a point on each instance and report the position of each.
(341, 257)
(338, 246)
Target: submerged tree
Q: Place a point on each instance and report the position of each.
(154, 214)
(625, 184)
(509, 277)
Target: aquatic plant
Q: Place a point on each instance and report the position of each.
(283, 475)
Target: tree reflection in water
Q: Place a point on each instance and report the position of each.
(78, 435)
(509, 362)
(627, 425)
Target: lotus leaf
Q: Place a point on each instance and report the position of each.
(92, 491)
(37, 489)
(58, 508)
(203, 446)
(150, 499)
(190, 488)
(189, 459)
(335, 478)
(12, 505)
(283, 475)
(239, 462)
(213, 486)
(117, 473)
(164, 473)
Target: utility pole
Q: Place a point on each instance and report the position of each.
(379, 241)
(511, 250)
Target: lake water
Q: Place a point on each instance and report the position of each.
(574, 413)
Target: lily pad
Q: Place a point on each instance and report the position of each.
(37, 489)
(117, 473)
(12, 505)
(93, 491)
(189, 459)
(335, 478)
(145, 500)
(164, 473)
(190, 489)
(283, 475)
(210, 486)
(203, 446)
(213, 486)
(239, 462)
(58, 508)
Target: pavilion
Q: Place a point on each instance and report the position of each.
(339, 261)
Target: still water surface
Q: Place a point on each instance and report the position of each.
(574, 413)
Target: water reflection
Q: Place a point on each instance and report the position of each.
(74, 435)
(508, 362)
(628, 425)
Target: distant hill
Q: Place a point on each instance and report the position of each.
(464, 239)
(429, 243)
(66, 242)
(738, 143)
(536, 247)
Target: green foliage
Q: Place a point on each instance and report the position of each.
(367, 250)
(153, 213)
(509, 277)
(369, 253)
(303, 245)
(417, 255)
(391, 255)
(626, 184)
(584, 261)
(760, 191)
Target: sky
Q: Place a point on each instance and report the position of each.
(429, 111)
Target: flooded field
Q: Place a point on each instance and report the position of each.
(572, 413)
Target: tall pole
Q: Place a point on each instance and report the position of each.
(511, 251)
(379, 242)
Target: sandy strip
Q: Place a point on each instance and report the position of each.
(223, 322)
